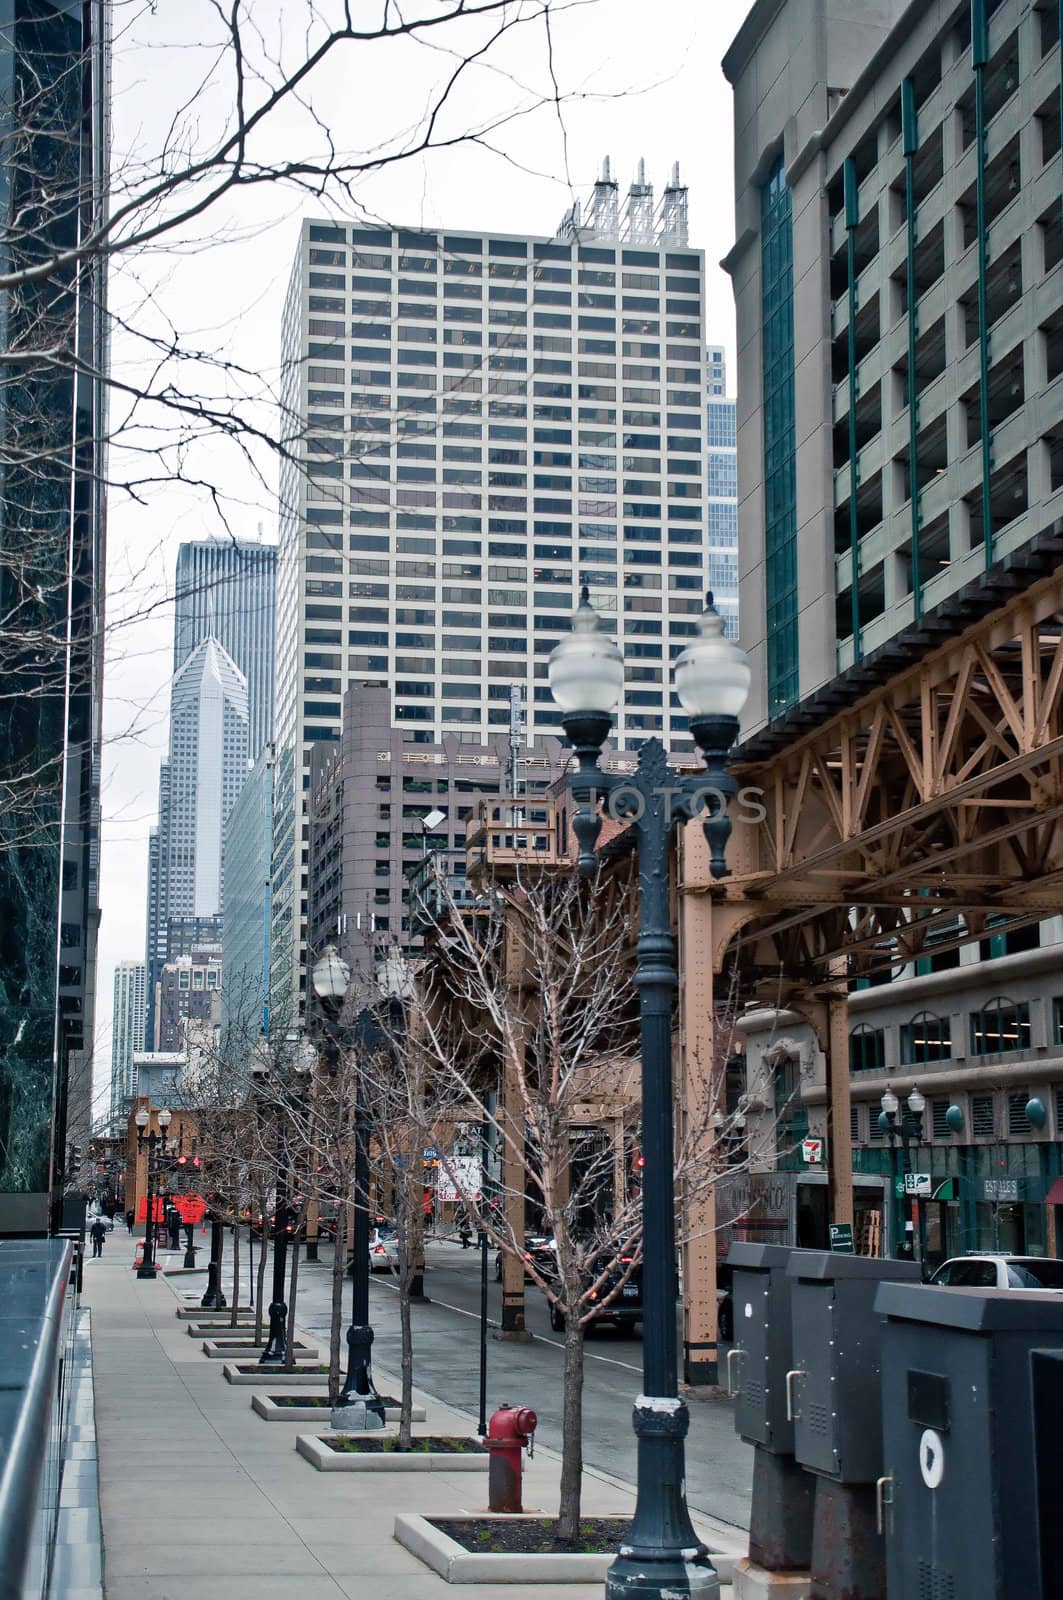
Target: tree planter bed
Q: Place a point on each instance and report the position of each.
(228, 1349)
(460, 1549)
(300, 1407)
(375, 1452)
(252, 1372)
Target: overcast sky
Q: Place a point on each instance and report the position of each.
(641, 78)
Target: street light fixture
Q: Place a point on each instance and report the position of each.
(155, 1143)
(288, 1084)
(661, 1554)
(331, 978)
(905, 1133)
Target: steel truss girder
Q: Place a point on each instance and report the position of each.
(933, 807)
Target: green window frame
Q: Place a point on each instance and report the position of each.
(927, 1037)
(867, 1048)
(1002, 1025)
(777, 383)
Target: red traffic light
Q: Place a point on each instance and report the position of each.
(640, 1162)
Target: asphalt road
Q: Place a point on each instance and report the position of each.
(446, 1356)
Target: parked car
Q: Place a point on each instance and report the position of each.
(985, 1270)
(538, 1248)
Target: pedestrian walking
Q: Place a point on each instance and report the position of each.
(175, 1228)
(463, 1227)
(97, 1234)
(129, 1219)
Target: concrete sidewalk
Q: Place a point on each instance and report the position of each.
(203, 1500)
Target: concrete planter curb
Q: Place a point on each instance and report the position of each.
(267, 1407)
(220, 1330)
(193, 1311)
(455, 1564)
(269, 1375)
(318, 1453)
(235, 1350)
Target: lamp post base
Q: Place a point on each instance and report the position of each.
(150, 1270)
(361, 1416)
(358, 1406)
(213, 1298)
(661, 1557)
(634, 1578)
(277, 1343)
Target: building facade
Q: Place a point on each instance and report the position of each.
(369, 796)
(54, 67)
(898, 408)
(721, 504)
(492, 421)
(245, 1009)
(189, 993)
(898, 275)
(129, 1020)
(226, 590)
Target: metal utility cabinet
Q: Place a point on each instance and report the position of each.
(960, 1481)
(780, 1530)
(833, 1391)
(833, 1385)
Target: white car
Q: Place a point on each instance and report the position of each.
(988, 1271)
(383, 1250)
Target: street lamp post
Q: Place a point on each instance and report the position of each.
(276, 1348)
(906, 1132)
(154, 1143)
(661, 1554)
(357, 1404)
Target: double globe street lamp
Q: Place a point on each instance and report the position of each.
(331, 978)
(661, 1555)
(285, 1078)
(905, 1132)
(155, 1144)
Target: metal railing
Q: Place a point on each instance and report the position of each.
(38, 1311)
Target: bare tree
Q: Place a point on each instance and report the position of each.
(530, 1012)
(89, 235)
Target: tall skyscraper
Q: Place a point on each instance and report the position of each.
(225, 590)
(515, 417)
(207, 767)
(722, 507)
(127, 1030)
(54, 65)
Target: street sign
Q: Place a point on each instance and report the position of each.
(459, 1179)
(918, 1183)
(841, 1238)
(431, 1154)
(812, 1151)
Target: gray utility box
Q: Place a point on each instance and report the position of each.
(763, 1344)
(960, 1445)
(833, 1386)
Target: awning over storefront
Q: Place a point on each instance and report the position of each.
(1054, 1197)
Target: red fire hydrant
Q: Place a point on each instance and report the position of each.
(508, 1432)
